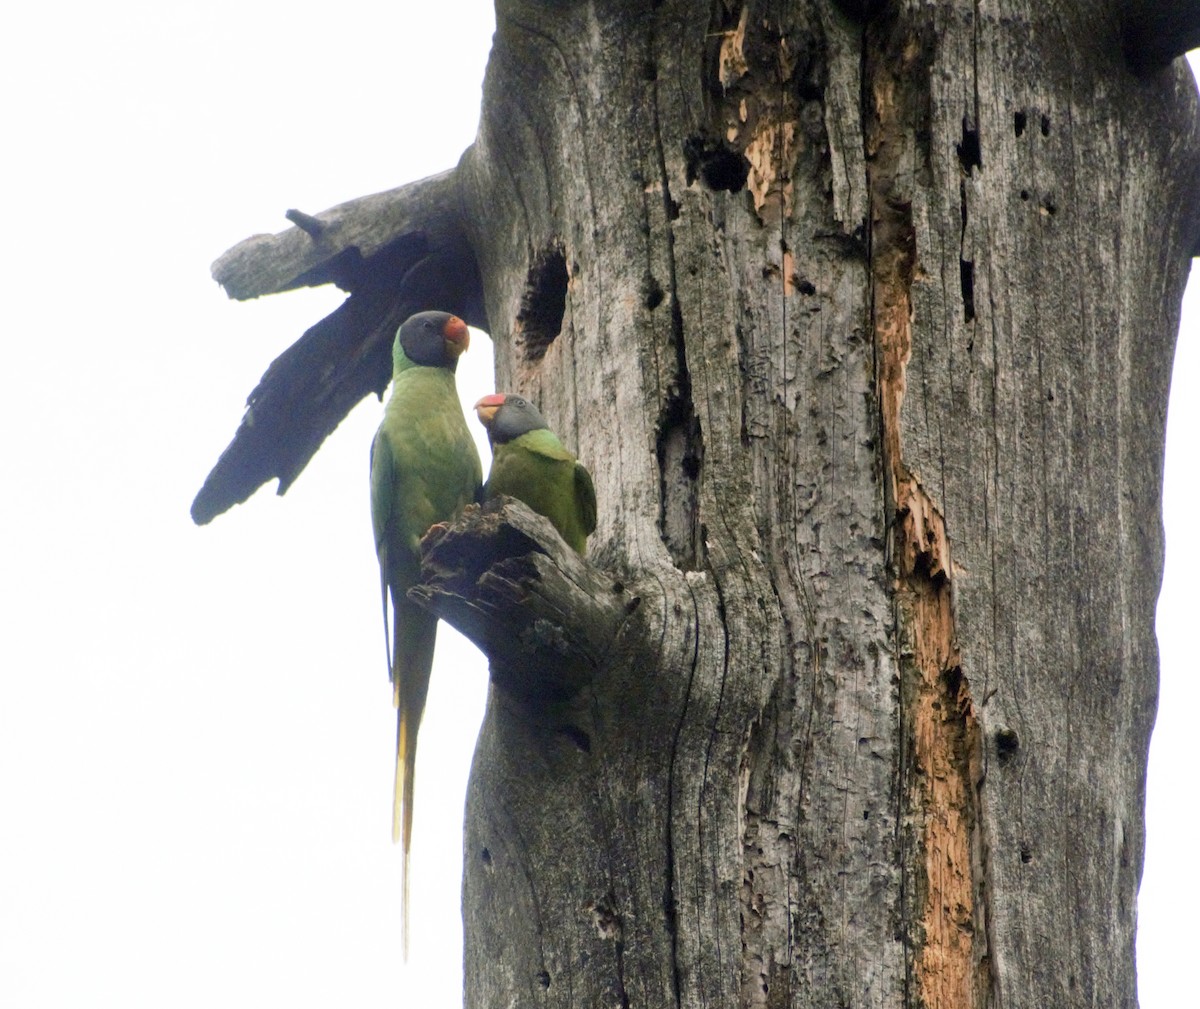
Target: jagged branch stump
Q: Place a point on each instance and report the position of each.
(594, 736)
(543, 615)
(396, 253)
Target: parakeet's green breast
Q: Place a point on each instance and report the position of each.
(435, 466)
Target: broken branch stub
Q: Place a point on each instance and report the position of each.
(1156, 32)
(543, 615)
(398, 252)
(351, 235)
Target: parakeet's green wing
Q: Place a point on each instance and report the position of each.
(382, 475)
(585, 497)
(537, 469)
(545, 443)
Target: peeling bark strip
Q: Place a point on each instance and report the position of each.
(757, 118)
(940, 733)
(944, 735)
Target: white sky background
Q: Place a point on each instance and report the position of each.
(195, 724)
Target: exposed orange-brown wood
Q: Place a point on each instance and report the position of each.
(945, 742)
(942, 733)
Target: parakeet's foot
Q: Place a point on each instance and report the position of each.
(434, 533)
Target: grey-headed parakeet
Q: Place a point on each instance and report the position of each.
(531, 464)
(424, 468)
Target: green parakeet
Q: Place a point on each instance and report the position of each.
(531, 464)
(424, 468)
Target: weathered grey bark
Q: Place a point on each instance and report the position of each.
(395, 253)
(864, 330)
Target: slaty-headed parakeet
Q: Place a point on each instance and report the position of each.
(531, 464)
(424, 468)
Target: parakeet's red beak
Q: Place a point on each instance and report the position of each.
(458, 337)
(486, 408)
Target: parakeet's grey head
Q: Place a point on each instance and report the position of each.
(432, 339)
(507, 417)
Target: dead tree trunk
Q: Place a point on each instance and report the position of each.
(862, 320)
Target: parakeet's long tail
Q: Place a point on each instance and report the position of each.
(416, 633)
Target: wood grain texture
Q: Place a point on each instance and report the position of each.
(861, 317)
(743, 391)
(870, 554)
(1034, 414)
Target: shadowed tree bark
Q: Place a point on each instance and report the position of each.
(862, 317)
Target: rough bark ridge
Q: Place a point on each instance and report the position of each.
(859, 268)
(861, 316)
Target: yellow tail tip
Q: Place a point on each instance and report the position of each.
(399, 799)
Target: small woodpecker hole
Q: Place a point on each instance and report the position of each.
(717, 165)
(966, 276)
(970, 154)
(1007, 744)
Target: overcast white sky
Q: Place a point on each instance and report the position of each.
(195, 727)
